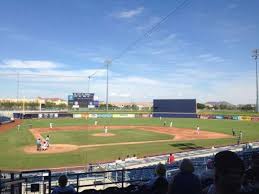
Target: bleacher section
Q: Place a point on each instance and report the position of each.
(121, 174)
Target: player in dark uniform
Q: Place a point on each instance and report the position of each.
(164, 123)
(233, 132)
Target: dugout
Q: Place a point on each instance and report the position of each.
(175, 108)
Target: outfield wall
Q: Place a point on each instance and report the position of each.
(46, 115)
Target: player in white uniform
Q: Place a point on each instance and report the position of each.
(171, 123)
(50, 125)
(106, 129)
(95, 123)
(44, 146)
(198, 130)
(18, 127)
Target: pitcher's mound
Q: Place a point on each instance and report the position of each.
(103, 134)
(54, 148)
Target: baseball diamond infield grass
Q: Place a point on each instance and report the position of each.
(85, 137)
(12, 142)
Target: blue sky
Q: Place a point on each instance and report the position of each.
(203, 51)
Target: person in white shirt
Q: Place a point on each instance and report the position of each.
(198, 130)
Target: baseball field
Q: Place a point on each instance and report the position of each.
(76, 142)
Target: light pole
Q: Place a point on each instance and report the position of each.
(255, 56)
(88, 84)
(108, 62)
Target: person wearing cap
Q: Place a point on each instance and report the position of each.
(63, 188)
(229, 171)
(185, 182)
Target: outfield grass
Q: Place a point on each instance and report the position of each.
(12, 142)
(85, 137)
(229, 112)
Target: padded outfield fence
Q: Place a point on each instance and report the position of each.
(55, 115)
(43, 181)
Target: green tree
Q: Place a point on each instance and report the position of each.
(201, 106)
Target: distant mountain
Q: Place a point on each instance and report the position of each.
(219, 103)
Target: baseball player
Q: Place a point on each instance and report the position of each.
(198, 130)
(18, 127)
(171, 123)
(44, 146)
(95, 123)
(38, 144)
(160, 118)
(47, 140)
(233, 132)
(50, 125)
(164, 123)
(105, 129)
(241, 136)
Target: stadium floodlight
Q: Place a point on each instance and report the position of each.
(107, 62)
(255, 55)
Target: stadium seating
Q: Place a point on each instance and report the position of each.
(4, 119)
(133, 178)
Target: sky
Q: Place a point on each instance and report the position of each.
(203, 50)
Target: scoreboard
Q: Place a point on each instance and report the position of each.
(175, 105)
(82, 100)
(174, 108)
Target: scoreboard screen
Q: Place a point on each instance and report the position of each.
(175, 105)
(82, 100)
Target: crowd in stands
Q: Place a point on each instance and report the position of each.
(225, 174)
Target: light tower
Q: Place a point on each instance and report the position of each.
(107, 62)
(255, 55)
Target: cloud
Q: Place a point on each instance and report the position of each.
(129, 13)
(27, 64)
(211, 58)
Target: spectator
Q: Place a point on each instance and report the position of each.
(255, 170)
(248, 181)
(63, 188)
(185, 182)
(229, 169)
(170, 159)
(207, 176)
(159, 184)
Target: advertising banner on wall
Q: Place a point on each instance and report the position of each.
(105, 115)
(84, 115)
(235, 117)
(145, 115)
(77, 116)
(245, 118)
(211, 117)
(227, 117)
(123, 115)
(255, 119)
(204, 117)
(219, 117)
(92, 115)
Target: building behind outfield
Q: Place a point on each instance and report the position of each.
(175, 108)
